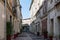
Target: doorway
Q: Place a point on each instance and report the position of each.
(51, 31)
(59, 24)
(44, 28)
(10, 18)
(52, 25)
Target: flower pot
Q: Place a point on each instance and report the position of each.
(8, 37)
(51, 37)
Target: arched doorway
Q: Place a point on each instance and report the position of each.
(25, 27)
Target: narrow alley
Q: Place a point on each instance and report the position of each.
(29, 19)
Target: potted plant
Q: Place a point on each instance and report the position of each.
(50, 36)
(45, 34)
(59, 36)
(8, 30)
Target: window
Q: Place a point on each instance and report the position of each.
(59, 23)
(51, 1)
(45, 7)
(4, 2)
(10, 18)
(35, 8)
(38, 4)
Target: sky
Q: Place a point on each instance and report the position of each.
(25, 8)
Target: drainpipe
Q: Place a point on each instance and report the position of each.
(5, 19)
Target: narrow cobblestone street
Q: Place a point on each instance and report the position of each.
(28, 36)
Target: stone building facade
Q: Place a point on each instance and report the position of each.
(17, 17)
(35, 21)
(53, 18)
(49, 18)
(2, 21)
(7, 17)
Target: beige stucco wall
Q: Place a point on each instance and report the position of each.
(19, 16)
(18, 19)
(2, 22)
(16, 26)
(8, 14)
(18, 12)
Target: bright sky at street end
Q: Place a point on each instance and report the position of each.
(25, 8)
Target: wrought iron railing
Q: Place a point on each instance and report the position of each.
(14, 11)
(57, 1)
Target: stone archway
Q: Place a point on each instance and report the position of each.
(25, 27)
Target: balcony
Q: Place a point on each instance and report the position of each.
(57, 1)
(44, 8)
(9, 7)
(14, 11)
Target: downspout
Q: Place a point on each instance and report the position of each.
(5, 18)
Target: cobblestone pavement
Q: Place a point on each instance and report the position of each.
(28, 36)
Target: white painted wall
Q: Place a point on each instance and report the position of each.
(17, 22)
(50, 16)
(53, 14)
(35, 7)
(27, 21)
